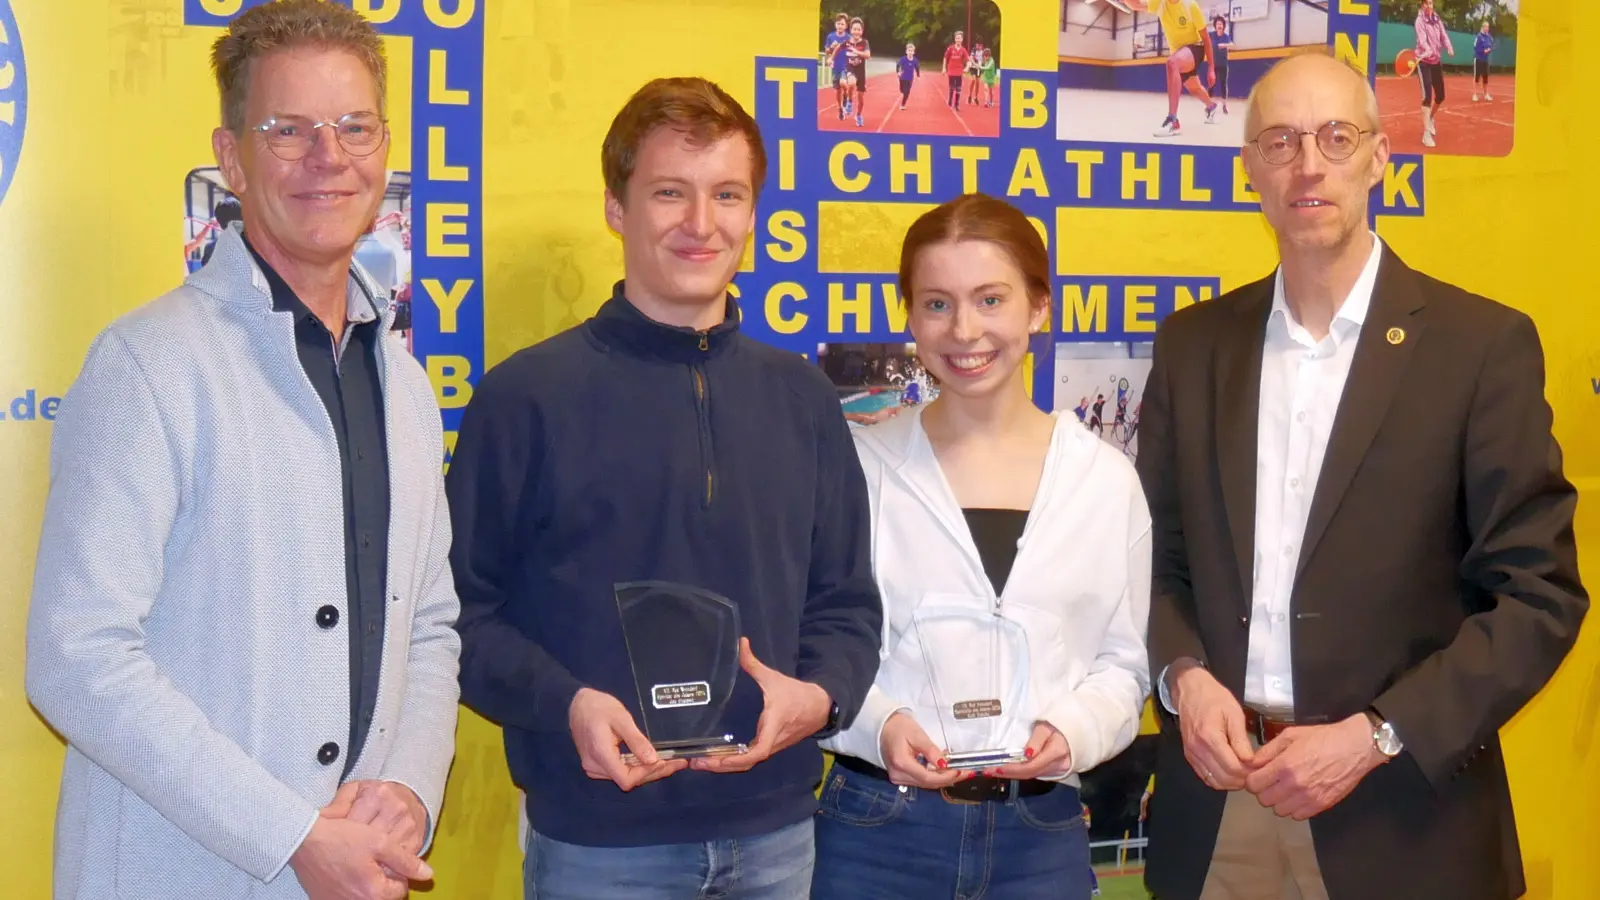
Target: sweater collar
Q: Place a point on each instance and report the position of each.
(620, 325)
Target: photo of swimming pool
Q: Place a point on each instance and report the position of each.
(871, 400)
(875, 381)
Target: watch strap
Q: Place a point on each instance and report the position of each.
(1380, 725)
(831, 727)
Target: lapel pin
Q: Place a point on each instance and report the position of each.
(1396, 335)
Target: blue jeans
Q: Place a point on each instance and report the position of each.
(775, 866)
(877, 840)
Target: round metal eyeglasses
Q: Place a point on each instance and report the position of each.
(291, 138)
(1337, 141)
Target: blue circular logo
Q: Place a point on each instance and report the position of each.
(13, 96)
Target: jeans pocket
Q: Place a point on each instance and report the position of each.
(1058, 810)
(859, 800)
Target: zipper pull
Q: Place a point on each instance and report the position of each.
(704, 345)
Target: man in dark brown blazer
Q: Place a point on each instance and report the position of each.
(1364, 558)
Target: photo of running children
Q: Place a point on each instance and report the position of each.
(908, 70)
(834, 61)
(927, 75)
(1447, 75)
(1163, 71)
(956, 57)
(973, 73)
(876, 381)
(1102, 383)
(986, 76)
(384, 251)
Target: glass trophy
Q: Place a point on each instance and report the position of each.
(683, 645)
(976, 663)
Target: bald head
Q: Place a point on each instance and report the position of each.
(1304, 73)
(1314, 179)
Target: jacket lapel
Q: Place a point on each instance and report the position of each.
(1388, 337)
(1238, 391)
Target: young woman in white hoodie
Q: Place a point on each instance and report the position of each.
(1012, 548)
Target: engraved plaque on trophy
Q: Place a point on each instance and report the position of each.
(683, 646)
(977, 668)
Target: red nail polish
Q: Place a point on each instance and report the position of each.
(1028, 753)
(944, 764)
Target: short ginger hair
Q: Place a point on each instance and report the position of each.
(698, 108)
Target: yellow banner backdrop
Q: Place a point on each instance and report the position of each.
(107, 198)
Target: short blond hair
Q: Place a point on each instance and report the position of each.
(286, 25)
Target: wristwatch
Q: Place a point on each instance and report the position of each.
(831, 728)
(1383, 735)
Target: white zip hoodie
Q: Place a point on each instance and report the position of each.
(1079, 589)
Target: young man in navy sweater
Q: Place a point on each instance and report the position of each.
(654, 442)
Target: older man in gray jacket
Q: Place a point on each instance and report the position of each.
(242, 613)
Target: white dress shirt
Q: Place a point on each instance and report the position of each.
(1302, 381)
(1079, 589)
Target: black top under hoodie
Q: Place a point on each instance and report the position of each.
(626, 450)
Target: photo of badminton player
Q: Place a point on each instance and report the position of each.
(1102, 385)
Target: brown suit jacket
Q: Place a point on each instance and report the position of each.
(1438, 578)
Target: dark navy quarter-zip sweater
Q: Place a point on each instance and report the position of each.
(626, 450)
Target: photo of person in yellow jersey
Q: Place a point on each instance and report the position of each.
(1163, 71)
(1183, 24)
